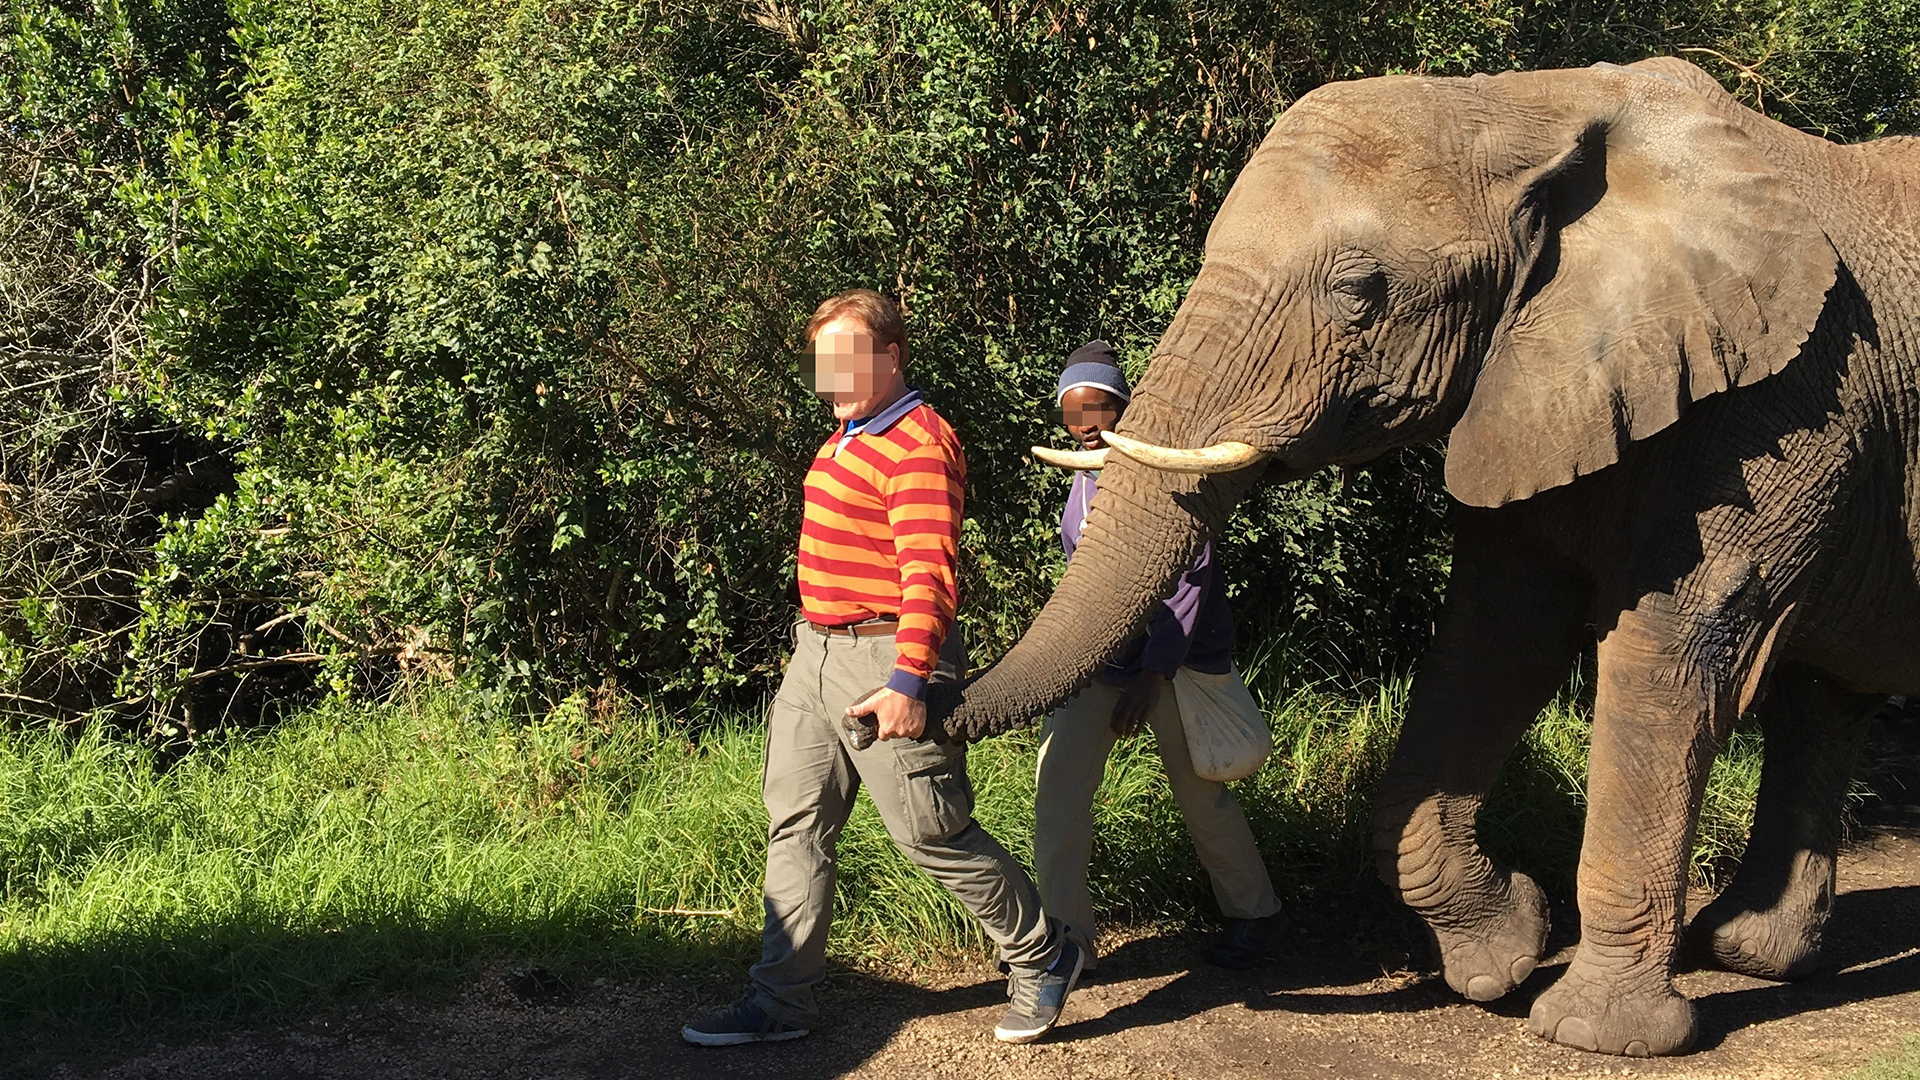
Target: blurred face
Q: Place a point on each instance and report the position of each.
(848, 368)
(1087, 411)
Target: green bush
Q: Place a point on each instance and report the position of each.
(490, 311)
(90, 96)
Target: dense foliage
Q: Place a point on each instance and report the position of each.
(458, 337)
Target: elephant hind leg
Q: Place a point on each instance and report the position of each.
(1509, 635)
(1771, 921)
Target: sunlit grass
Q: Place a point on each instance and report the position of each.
(399, 847)
(1901, 1064)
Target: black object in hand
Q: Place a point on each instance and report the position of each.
(861, 730)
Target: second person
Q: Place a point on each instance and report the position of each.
(1193, 628)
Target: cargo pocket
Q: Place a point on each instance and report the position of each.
(938, 796)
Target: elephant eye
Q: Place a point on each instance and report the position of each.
(1358, 298)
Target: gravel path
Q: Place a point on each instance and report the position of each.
(1154, 1012)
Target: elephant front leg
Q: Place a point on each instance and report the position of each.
(1508, 637)
(1660, 712)
(1771, 920)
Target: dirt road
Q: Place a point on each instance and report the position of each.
(1155, 1011)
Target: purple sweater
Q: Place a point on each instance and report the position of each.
(1194, 626)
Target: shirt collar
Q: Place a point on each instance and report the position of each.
(878, 423)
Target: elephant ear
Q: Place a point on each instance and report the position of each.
(1661, 259)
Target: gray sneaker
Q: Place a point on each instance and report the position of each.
(740, 1022)
(1038, 996)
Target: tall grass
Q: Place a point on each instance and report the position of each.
(397, 847)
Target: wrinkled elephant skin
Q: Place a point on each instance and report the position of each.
(1673, 347)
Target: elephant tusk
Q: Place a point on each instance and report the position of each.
(1071, 459)
(1218, 458)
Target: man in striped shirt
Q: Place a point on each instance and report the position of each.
(879, 548)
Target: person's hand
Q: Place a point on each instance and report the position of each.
(1136, 703)
(897, 715)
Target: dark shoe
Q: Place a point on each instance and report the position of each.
(1246, 942)
(1038, 996)
(740, 1022)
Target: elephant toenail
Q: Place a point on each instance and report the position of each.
(1636, 1048)
(1521, 968)
(1484, 988)
(1576, 1032)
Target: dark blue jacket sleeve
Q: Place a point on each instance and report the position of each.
(1077, 501)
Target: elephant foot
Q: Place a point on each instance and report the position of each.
(1774, 944)
(1498, 950)
(1590, 1010)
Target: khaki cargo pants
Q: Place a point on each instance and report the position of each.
(924, 798)
(1074, 746)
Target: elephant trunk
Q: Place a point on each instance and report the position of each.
(1143, 532)
(1159, 501)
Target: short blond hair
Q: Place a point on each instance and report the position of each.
(879, 314)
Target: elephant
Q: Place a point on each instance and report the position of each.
(1674, 348)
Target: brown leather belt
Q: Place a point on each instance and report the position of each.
(871, 628)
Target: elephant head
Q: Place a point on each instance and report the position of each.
(1545, 265)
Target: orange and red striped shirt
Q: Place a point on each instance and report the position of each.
(880, 535)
